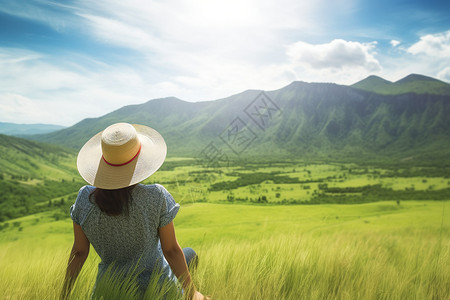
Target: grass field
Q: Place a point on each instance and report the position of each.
(363, 251)
(300, 182)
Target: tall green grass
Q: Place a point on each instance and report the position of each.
(372, 251)
(341, 266)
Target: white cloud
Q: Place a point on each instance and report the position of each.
(444, 74)
(118, 33)
(428, 56)
(20, 109)
(338, 61)
(200, 50)
(172, 34)
(395, 43)
(338, 54)
(437, 45)
(36, 89)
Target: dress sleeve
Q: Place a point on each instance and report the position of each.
(169, 207)
(74, 214)
(76, 208)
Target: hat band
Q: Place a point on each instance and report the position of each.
(126, 163)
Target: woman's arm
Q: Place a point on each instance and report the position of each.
(78, 255)
(175, 257)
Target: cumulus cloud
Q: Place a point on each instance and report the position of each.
(431, 55)
(437, 45)
(338, 54)
(394, 43)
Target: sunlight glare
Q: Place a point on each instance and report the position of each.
(224, 14)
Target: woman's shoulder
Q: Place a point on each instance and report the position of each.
(84, 194)
(150, 188)
(82, 205)
(85, 191)
(151, 192)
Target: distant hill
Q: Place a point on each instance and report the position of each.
(412, 83)
(301, 120)
(27, 129)
(32, 173)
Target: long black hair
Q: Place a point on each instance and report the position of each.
(112, 202)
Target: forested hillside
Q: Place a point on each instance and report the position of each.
(33, 175)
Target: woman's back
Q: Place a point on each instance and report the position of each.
(128, 239)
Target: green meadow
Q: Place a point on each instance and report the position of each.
(362, 251)
(292, 182)
(270, 230)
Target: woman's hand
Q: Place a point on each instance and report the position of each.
(199, 296)
(177, 262)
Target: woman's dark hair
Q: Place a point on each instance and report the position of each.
(112, 202)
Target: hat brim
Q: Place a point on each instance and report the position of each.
(98, 173)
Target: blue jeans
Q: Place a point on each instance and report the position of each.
(191, 257)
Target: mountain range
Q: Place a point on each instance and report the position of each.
(373, 118)
(413, 83)
(27, 129)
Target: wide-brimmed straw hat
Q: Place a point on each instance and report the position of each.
(121, 155)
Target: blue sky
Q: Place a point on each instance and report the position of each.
(63, 61)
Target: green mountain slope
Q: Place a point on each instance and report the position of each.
(340, 121)
(412, 83)
(33, 173)
(373, 84)
(184, 125)
(314, 120)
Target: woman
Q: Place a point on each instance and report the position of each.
(130, 225)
